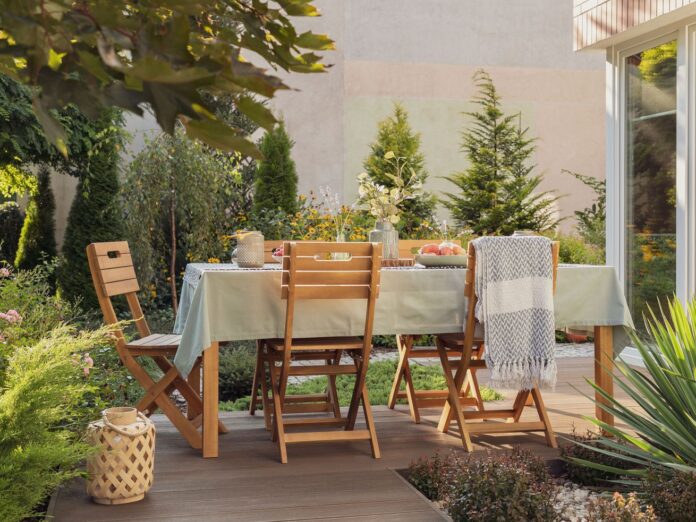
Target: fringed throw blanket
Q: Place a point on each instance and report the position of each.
(514, 286)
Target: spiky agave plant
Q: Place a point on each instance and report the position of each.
(662, 432)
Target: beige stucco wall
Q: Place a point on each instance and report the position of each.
(423, 54)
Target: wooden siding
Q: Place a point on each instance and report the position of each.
(596, 20)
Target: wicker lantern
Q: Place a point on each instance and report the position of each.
(122, 470)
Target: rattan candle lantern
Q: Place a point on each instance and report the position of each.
(249, 252)
(122, 470)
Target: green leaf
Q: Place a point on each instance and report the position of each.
(257, 112)
(55, 133)
(299, 8)
(55, 59)
(218, 135)
(150, 69)
(318, 42)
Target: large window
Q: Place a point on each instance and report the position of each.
(650, 219)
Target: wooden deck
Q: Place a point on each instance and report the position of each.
(323, 481)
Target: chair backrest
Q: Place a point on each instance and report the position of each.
(408, 248)
(269, 245)
(113, 274)
(318, 270)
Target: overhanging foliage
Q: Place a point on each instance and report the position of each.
(161, 54)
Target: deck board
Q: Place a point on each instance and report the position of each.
(323, 481)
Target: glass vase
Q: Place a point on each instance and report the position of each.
(341, 238)
(385, 233)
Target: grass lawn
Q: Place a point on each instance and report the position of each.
(380, 376)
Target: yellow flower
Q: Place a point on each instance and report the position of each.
(213, 260)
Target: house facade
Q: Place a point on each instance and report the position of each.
(650, 118)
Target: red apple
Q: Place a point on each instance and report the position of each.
(430, 249)
(278, 252)
(446, 250)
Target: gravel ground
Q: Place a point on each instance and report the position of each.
(571, 502)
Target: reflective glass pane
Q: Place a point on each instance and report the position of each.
(651, 132)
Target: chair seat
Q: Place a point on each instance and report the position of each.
(320, 343)
(165, 344)
(456, 340)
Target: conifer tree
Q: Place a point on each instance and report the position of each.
(497, 192)
(95, 214)
(38, 239)
(395, 134)
(275, 187)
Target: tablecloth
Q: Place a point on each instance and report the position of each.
(222, 302)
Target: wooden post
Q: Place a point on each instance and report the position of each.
(210, 401)
(604, 363)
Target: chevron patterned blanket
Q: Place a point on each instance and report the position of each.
(514, 286)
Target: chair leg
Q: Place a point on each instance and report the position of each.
(370, 422)
(190, 394)
(476, 390)
(520, 403)
(454, 392)
(194, 380)
(361, 372)
(278, 428)
(331, 390)
(265, 378)
(272, 376)
(401, 342)
(544, 417)
(258, 375)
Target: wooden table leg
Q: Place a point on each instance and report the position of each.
(210, 401)
(604, 362)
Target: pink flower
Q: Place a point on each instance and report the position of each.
(4, 272)
(88, 363)
(12, 316)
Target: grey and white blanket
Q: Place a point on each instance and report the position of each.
(514, 286)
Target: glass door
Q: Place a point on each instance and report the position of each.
(650, 218)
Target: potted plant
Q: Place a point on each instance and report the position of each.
(384, 202)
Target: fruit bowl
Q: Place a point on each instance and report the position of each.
(433, 260)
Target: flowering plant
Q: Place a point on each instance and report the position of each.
(384, 202)
(333, 208)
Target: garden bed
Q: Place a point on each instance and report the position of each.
(517, 486)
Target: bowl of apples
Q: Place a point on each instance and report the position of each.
(277, 254)
(444, 254)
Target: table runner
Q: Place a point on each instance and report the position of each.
(221, 302)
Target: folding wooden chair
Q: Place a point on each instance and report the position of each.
(471, 394)
(309, 403)
(113, 274)
(464, 344)
(311, 271)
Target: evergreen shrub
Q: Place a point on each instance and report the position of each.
(11, 220)
(38, 240)
(275, 186)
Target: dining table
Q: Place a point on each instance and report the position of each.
(223, 302)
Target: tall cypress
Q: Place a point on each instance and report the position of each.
(95, 214)
(497, 192)
(275, 187)
(38, 239)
